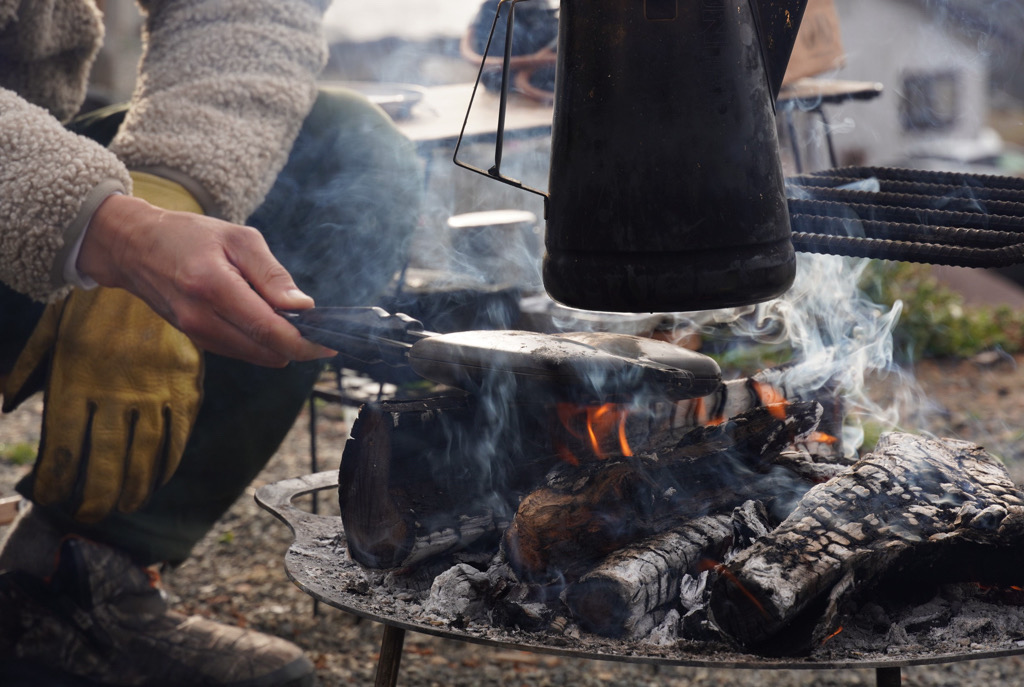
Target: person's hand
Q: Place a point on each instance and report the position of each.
(216, 281)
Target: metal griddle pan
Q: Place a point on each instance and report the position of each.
(579, 366)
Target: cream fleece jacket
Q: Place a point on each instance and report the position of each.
(222, 89)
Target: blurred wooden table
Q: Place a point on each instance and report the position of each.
(810, 95)
(436, 120)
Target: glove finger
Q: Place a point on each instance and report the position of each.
(156, 452)
(105, 458)
(147, 450)
(58, 474)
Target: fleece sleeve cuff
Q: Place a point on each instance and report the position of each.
(65, 271)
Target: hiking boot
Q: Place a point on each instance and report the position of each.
(99, 619)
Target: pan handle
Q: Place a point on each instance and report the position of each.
(277, 499)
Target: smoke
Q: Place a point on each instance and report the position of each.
(991, 23)
(841, 342)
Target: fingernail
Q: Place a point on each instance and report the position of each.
(295, 294)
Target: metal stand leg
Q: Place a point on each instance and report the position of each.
(828, 138)
(888, 677)
(390, 656)
(314, 468)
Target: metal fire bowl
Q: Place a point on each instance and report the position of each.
(318, 563)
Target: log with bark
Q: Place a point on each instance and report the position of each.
(582, 514)
(914, 508)
(422, 478)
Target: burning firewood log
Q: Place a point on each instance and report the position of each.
(420, 479)
(911, 502)
(669, 422)
(584, 513)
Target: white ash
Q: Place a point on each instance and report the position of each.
(667, 633)
(955, 619)
(458, 593)
(691, 591)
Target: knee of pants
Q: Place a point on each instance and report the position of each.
(19, 315)
(340, 214)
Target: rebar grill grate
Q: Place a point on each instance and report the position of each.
(943, 218)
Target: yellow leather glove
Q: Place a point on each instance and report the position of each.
(122, 391)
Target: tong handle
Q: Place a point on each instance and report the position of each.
(368, 322)
(369, 334)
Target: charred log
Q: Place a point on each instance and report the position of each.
(622, 595)
(630, 591)
(583, 514)
(514, 603)
(899, 511)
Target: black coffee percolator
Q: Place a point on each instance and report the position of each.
(666, 186)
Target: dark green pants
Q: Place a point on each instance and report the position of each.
(339, 218)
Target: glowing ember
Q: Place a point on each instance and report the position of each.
(832, 635)
(720, 569)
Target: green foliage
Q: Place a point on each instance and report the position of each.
(872, 431)
(22, 453)
(935, 323)
(743, 357)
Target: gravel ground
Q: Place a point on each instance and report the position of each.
(237, 573)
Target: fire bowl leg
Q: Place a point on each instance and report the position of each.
(391, 656)
(884, 677)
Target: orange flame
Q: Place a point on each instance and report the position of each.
(823, 438)
(602, 428)
(991, 587)
(565, 454)
(771, 398)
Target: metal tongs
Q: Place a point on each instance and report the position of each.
(579, 366)
(367, 334)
